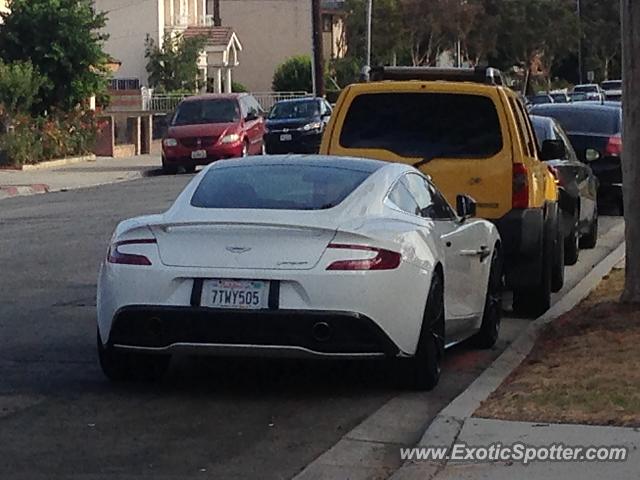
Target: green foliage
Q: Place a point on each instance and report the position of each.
(174, 67)
(21, 145)
(32, 140)
(237, 87)
(293, 75)
(63, 40)
(343, 72)
(19, 86)
(602, 39)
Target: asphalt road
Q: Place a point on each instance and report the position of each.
(59, 418)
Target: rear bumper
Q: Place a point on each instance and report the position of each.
(300, 143)
(282, 333)
(181, 156)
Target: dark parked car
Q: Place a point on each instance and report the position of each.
(540, 98)
(560, 97)
(578, 188)
(296, 126)
(212, 127)
(595, 131)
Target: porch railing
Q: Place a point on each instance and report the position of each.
(168, 102)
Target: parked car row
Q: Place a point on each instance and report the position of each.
(207, 128)
(356, 252)
(608, 91)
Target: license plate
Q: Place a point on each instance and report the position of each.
(286, 138)
(199, 154)
(243, 294)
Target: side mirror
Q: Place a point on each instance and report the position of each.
(553, 150)
(251, 116)
(591, 155)
(465, 207)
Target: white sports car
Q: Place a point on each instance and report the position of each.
(307, 256)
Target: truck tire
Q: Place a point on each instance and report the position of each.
(534, 301)
(557, 269)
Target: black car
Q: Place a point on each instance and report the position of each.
(595, 131)
(578, 188)
(296, 126)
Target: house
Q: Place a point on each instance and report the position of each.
(255, 37)
(4, 7)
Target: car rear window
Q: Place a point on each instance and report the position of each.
(424, 125)
(605, 121)
(198, 112)
(585, 88)
(277, 187)
(612, 85)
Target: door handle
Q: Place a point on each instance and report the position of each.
(483, 252)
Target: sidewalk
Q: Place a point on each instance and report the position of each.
(458, 430)
(103, 170)
(482, 432)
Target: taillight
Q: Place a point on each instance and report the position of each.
(614, 147)
(116, 256)
(384, 259)
(520, 198)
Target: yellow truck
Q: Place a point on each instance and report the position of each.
(473, 136)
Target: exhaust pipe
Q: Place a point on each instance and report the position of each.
(321, 332)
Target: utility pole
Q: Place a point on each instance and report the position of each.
(369, 19)
(217, 20)
(318, 56)
(580, 35)
(630, 12)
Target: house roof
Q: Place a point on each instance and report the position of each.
(216, 36)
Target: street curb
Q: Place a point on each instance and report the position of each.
(58, 163)
(446, 427)
(8, 191)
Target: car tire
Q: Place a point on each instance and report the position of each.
(558, 261)
(190, 169)
(121, 366)
(590, 240)
(245, 149)
(169, 169)
(489, 331)
(424, 367)
(534, 301)
(572, 247)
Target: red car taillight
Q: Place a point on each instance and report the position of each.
(115, 256)
(614, 147)
(520, 198)
(384, 260)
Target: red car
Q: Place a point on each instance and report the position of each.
(212, 127)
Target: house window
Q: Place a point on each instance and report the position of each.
(327, 23)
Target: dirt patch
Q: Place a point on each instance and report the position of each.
(584, 368)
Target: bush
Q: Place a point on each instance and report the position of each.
(21, 144)
(32, 140)
(19, 85)
(293, 75)
(237, 87)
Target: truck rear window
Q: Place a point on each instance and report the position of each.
(424, 125)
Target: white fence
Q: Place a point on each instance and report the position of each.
(168, 102)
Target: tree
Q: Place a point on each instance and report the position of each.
(67, 52)
(630, 11)
(293, 75)
(601, 27)
(535, 33)
(19, 86)
(174, 66)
